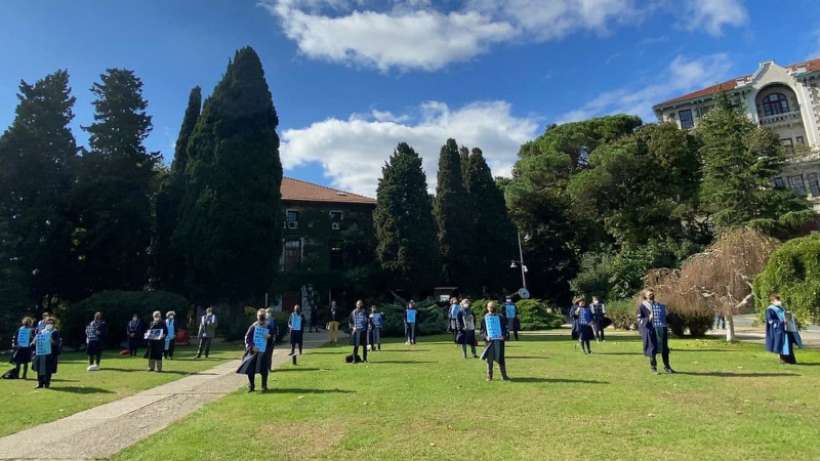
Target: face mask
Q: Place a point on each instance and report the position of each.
(49, 327)
(778, 303)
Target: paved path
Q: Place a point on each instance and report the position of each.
(107, 429)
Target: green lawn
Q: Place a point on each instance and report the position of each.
(73, 389)
(729, 402)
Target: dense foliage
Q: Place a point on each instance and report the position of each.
(793, 271)
(452, 212)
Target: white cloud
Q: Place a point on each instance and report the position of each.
(353, 151)
(713, 15)
(682, 75)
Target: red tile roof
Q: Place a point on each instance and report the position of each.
(811, 66)
(302, 191)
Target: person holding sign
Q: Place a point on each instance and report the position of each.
(21, 345)
(374, 342)
(296, 322)
(511, 314)
(95, 334)
(155, 340)
(358, 330)
(494, 330)
(258, 350)
(410, 317)
(171, 337)
(466, 328)
(584, 315)
(47, 345)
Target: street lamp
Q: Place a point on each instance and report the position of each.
(520, 263)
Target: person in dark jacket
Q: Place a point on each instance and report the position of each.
(296, 322)
(41, 325)
(207, 332)
(274, 330)
(134, 333)
(21, 345)
(466, 328)
(95, 334)
(410, 319)
(598, 318)
(47, 346)
(358, 330)
(155, 342)
(654, 331)
(781, 331)
(494, 330)
(258, 345)
(374, 342)
(583, 314)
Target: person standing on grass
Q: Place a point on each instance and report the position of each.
(333, 323)
(207, 332)
(171, 337)
(155, 342)
(134, 333)
(41, 325)
(274, 330)
(296, 322)
(47, 345)
(452, 313)
(511, 314)
(21, 345)
(494, 331)
(95, 334)
(466, 328)
(358, 330)
(781, 331)
(654, 331)
(258, 347)
(584, 318)
(314, 319)
(410, 318)
(598, 316)
(374, 342)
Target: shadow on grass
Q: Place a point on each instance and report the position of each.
(57, 380)
(399, 362)
(728, 374)
(295, 390)
(703, 350)
(526, 357)
(808, 364)
(164, 372)
(290, 370)
(404, 350)
(555, 380)
(81, 390)
(617, 353)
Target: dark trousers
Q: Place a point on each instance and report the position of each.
(512, 331)
(204, 346)
(410, 332)
(133, 345)
(296, 340)
(360, 340)
(25, 370)
(95, 358)
(598, 325)
(502, 361)
(789, 358)
(252, 374)
(662, 335)
(464, 348)
(44, 379)
(585, 346)
(375, 338)
(169, 353)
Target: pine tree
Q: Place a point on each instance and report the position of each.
(112, 197)
(404, 223)
(493, 232)
(169, 261)
(452, 214)
(37, 158)
(230, 224)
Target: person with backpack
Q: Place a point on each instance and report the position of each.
(465, 320)
(410, 318)
(494, 331)
(47, 345)
(95, 334)
(296, 322)
(134, 333)
(258, 348)
(207, 332)
(358, 330)
(374, 342)
(21, 345)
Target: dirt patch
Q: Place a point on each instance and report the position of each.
(302, 439)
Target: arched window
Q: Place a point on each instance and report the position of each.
(775, 103)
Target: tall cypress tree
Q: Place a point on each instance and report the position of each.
(230, 224)
(112, 197)
(403, 219)
(168, 259)
(493, 231)
(452, 214)
(37, 158)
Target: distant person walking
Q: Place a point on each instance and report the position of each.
(95, 335)
(410, 318)
(511, 315)
(258, 344)
(493, 329)
(583, 314)
(333, 323)
(466, 328)
(21, 345)
(781, 331)
(375, 329)
(296, 322)
(134, 333)
(171, 337)
(155, 342)
(452, 313)
(314, 319)
(47, 348)
(207, 332)
(598, 318)
(358, 329)
(654, 331)
(274, 330)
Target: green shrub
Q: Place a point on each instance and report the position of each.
(793, 271)
(535, 315)
(117, 308)
(695, 321)
(622, 313)
(431, 319)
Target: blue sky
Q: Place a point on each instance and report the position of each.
(352, 78)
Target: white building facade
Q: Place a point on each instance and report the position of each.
(783, 99)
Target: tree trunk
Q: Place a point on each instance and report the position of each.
(730, 328)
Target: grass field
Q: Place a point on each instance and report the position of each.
(73, 389)
(729, 402)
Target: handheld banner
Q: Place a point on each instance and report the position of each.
(296, 322)
(493, 327)
(510, 310)
(24, 337)
(91, 333)
(260, 338)
(154, 334)
(43, 343)
(411, 316)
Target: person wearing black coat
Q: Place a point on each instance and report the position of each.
(21, 345)
(48, 346)
(258, 348)
(134, 333)
(654, 331)
(95, 334)
(155, 340)
(494, 330)
(465, 321)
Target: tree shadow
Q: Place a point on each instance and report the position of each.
(703, 350)
(555, 380)
(399, 362)
(81, 390)
(290, 370)
(728, 374)
(57, 380)
(164, 372)
(404, 350)
(296, 390)
(808, 364)
(526, 357)
(617, 353)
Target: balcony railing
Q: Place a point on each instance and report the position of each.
(781, 118)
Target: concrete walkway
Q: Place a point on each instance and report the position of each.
(103, 431)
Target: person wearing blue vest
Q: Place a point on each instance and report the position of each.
(466, 328)
(584, 318)
(296, 322)
(452, 314)
(494, 329)
(410, 319)
(171, 338)
(598, 317)
(375, 329)
(358, 330)
(95, 334)
(21, 345)
(654, 331)
(511, 315)
(258, 344)
(47, 345)
(273, 327)
(781, 331)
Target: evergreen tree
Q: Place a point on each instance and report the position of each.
(230, 224)
(493, 232)
(739, 160)
(37, 157)
(112, 197)
(452, 213)
(404, 223)
(169, 261)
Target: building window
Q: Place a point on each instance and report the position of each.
(775, 103)
(814, 184)
(796, 184)
(788, 145)
(686, 120)
(293, 254)
(779, 183)
(292, 218)
(336, 220)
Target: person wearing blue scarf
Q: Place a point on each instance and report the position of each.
(296, 322)
(375, 329)
(358, 330)
(781, 331)
(584, 316)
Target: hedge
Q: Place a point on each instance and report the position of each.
(793, 271)
(431, 319)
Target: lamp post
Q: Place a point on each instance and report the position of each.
(514, 264)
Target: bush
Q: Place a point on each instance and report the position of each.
(793, 271)
(117, 308)
(622, 313)
(535, 315)
(233, 327)
(694, 320)
(431, 319)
